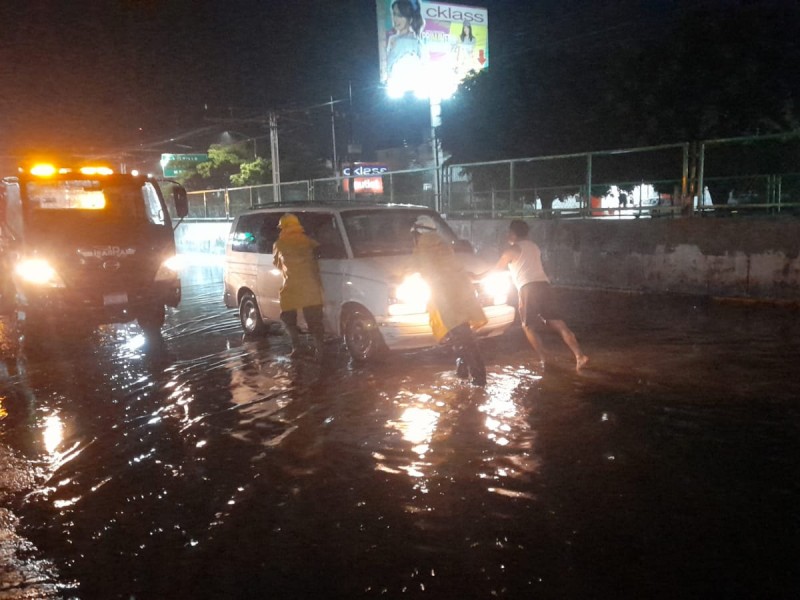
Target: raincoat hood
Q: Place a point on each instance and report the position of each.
(290, 223)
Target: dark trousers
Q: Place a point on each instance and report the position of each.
(312, 315)
(469, 361)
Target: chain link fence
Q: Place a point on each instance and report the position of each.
(737, 176)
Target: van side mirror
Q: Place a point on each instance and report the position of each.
(181, 201)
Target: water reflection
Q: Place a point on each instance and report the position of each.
(507, 411)
(417, 426)
(53, 433)
(220, 464)
(427, 420)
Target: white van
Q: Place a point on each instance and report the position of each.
(373, 299)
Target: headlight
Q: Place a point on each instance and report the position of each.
(411, 296)
(38, 271)
(497, 286)
(169, 268)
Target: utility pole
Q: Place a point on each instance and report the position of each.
(275, 156)
(333, 137)
(436, 149)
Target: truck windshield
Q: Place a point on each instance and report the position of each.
(93, 201)
(385, 232)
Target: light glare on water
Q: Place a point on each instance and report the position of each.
(213, 462)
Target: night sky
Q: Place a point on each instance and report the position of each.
(119, 74)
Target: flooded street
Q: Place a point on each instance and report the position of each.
(215, 466)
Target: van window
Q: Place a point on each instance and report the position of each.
(322, 228)
(255, 233)
(387, 232)
(243, 237)
(258, 232)
(268, 232)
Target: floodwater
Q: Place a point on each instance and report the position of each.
(216, 467)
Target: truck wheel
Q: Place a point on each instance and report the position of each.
(151, 320)
(250, 316)
(361, 336)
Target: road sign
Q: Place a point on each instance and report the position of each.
(174, 165)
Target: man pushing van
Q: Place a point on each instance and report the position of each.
(294, 253)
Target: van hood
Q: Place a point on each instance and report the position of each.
(394, 268)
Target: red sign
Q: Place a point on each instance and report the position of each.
(366, 178)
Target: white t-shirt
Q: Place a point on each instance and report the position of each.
(527, 267)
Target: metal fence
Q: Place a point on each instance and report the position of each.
(728, 177)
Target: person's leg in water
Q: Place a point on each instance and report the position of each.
(534, 341)
(314, 320)
(469, 362)
(528, 315)
(541, 299)
(570, 340)
(289, 318)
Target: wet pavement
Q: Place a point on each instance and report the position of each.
(216, 467)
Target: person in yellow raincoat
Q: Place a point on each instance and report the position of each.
(294, 253)
(453, 307)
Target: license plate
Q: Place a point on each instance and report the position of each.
(119, 298)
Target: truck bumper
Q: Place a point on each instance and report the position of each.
(97, 306)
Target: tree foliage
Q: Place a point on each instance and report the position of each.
(223, 163)
(708, 74)
(228, 165)
(254, 172)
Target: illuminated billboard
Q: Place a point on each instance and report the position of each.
(429, 47)
(366, 177)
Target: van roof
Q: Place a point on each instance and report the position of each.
(340, 205)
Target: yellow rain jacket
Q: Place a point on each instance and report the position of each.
(453, 300)
(293, 254)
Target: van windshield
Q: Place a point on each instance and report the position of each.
(387, 232)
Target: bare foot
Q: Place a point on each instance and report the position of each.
(581, 361)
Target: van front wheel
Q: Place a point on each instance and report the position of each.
(250, 316)
(361, 336)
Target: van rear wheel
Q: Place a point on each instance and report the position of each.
(250, 316)
(361, 336)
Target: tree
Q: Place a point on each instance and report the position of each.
(723, 71)
(255, 172)
(227, 166)
(223, 163)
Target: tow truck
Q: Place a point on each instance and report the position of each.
(83, 245)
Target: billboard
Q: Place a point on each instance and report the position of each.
(366, 177)
(429, 47)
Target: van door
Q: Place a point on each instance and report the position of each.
(241, 258)
(326, 230)
(270, 279)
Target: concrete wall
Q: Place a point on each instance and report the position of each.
(747, 258)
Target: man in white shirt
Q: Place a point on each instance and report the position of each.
(524, 259)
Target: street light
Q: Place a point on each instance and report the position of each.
(227, 139)
(435, 87)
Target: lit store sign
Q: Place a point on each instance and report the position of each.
(366, 178)
(429, 47)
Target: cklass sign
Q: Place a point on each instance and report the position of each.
(429, 47)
